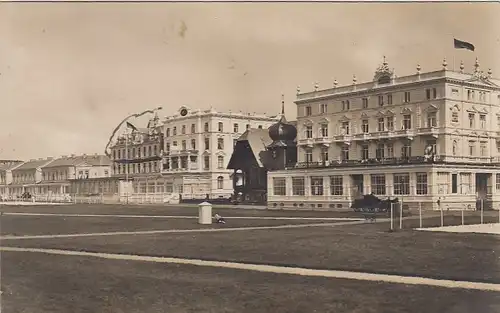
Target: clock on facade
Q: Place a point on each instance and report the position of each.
(184, 112)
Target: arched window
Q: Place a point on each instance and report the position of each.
(220, 182)
(220, 162)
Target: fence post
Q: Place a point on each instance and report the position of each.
(401, 216)
(463, 220)
(392, 215)
(442, 215)
(420, 213)
(482, 211)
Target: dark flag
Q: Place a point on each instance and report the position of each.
(129, 125)
(463, 45)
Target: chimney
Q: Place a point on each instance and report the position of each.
(39, 159)
(50, 158)
(64, 156)
(72, 155)
(31, 160)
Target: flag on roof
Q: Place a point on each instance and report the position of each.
(131, 126)
(459, 44)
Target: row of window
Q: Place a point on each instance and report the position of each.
(139, 152)
(181, 162)
(382, 100)
(387, 150)
(430, 94)
(384, 124)
(17, 178)
(382, 151)
(220, 144)
(206, 128)
(137, 168)
(401, 185)
(100, 187)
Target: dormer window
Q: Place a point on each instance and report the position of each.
(384, 79)
(308, 111)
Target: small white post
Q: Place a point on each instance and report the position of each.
(392, 216)
(401, 216)
(463, 220)
(205, 213)
(442, 216)
(420, 213)
(482, 211)
(499, 214)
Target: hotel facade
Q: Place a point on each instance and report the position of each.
(198, 146)
(431, 139)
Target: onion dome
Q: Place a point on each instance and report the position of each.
(282, 131)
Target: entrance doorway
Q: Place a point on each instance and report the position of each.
(357, 185)
(482, 182)
(483, 192)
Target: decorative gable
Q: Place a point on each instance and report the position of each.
(307, 123)
(431, 108)
(406, 111)
(379, 114)
(482, 80)
(344, 118)
(324, 120)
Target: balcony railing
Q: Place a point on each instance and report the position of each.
(305, 141)
(400, 161)
(181, 152)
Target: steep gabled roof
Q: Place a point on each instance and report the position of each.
(257, 140)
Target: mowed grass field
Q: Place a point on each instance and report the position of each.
(39, 282)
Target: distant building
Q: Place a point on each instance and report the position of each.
(198, 145)
(50, 178)
(27, 177)
(57, 174)
(6, 167)
(140, 157)
(422, 138)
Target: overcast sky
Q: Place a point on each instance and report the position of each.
(70, 72)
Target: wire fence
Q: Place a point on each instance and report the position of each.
(444, 216)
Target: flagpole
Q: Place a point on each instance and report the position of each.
(126, 163)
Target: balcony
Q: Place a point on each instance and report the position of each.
(305, 142)
(322, 141)
(179, 152)
(191, 168)
(410, 133)
(363, 136)
(438, 159)
(431, 131)
(344, 139)
(368, 162)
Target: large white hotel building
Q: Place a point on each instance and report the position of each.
(198, 146)
(422, 138)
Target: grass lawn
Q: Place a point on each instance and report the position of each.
(33, 282)
(16, 225)
(367, 247)
(168, 210)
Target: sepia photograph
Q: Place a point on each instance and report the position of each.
(248, 157)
